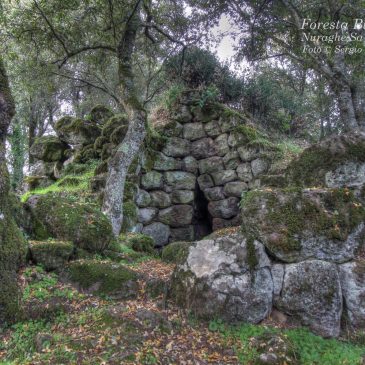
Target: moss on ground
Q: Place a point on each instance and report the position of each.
(139, 242)
(107, 277)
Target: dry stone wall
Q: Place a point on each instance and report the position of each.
(187, 180)
(198, 176)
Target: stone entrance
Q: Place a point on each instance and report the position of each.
(209, 158)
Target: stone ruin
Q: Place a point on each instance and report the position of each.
(189, 177)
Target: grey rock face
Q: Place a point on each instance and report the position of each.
(193, 131)
(190, 164)
(151, 180)
(314, 233)
(160, 199)
(235, 188)
(229, 123)
(143, 198)
(259, 166)
(146, 215)
(216, 279)
(183, 115)
(226, 208)
(350, 174)
(165, 163)
(176, 215)
(170, 129)
(203, 148)
(180, 180)
(248, 154)
(182, 196)
(311, 291)
(221, 143)
(212, 128)
(177, 147)
(215, 193)
(244, 172)
(231, 160)
(223, 177)
(210, 164)
(205, 181)
(182, 234)
(159, 232)
(352, 275)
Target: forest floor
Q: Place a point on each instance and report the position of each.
(64, 326)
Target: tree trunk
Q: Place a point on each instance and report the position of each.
(359, 105)
(12, 247)
(127, 150)
(346, 106)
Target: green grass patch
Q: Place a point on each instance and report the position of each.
(80, 183)
(309, 348)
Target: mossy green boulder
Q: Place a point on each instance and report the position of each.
(139, 242)
(103, 278)
(48, 149)
(116, 128)
(175, 252)
(100, 114)
(52, 254)
(66, 219)
(337, 161)
(298, 224)
(77, 131)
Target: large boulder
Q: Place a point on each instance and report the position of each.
(352, 276)
(336, 161)
(226, 277)
(99, 114)
(77, 132)
(311, 291)
(159, 232)
(295, 224)
(48, 149)
(102, 278)
(65, 219)
(51, 254)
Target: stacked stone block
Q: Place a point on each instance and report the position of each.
(204, 152)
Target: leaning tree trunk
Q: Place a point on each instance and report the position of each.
(128, 149)
(346, 106)
(12, 247)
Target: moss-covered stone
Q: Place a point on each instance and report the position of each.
(175, 252)
(295, 224)
(115, 122)
(77, 131)
(51, 254)
(130, 213)
(48, 149)
(99, 114)
(36, 182)
(99, 143)
(86, 154)
(102, 168)
(66, 219)
(140, 243)
(311, 167)
(103, 278)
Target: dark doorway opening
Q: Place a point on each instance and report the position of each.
(202, 219)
